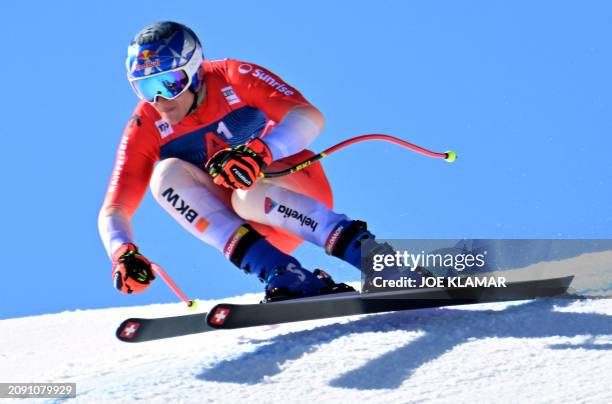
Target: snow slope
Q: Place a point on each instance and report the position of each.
(536, 351)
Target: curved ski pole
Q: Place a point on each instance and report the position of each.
(160, 271)
(450, 156)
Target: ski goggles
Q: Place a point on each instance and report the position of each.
(169, 84)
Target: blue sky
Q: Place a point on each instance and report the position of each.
(521, 90)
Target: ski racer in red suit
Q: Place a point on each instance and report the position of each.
(199, 138)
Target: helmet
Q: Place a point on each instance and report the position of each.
(163, 61)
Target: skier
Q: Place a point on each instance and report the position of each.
(214, 126)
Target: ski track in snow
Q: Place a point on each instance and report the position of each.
(535, 351)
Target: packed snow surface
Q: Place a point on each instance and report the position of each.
(553, 350)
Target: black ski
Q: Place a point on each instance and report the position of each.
(145, 329)
(228, 316)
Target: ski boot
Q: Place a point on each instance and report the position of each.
(294, 282)
(347, 242)
(283, 275)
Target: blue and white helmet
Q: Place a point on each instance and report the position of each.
(163, 60)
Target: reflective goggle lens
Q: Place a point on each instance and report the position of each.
(168, 85)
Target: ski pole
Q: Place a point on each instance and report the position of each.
(450, 156)
(159, 270)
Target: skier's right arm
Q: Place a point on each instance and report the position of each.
(137, 153)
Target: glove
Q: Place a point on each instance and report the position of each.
(132, 272)
(239, 167)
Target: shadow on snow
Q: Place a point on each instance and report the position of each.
(443, 329)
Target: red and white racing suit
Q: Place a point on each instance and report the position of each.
(242, 101)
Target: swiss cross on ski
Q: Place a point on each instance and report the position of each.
(129, 330)
(219, 316)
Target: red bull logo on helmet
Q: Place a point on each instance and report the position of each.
(146, 59)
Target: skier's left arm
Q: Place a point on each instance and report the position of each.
(298, 122)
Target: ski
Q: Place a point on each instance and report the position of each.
(230, 316)
(148, 329)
